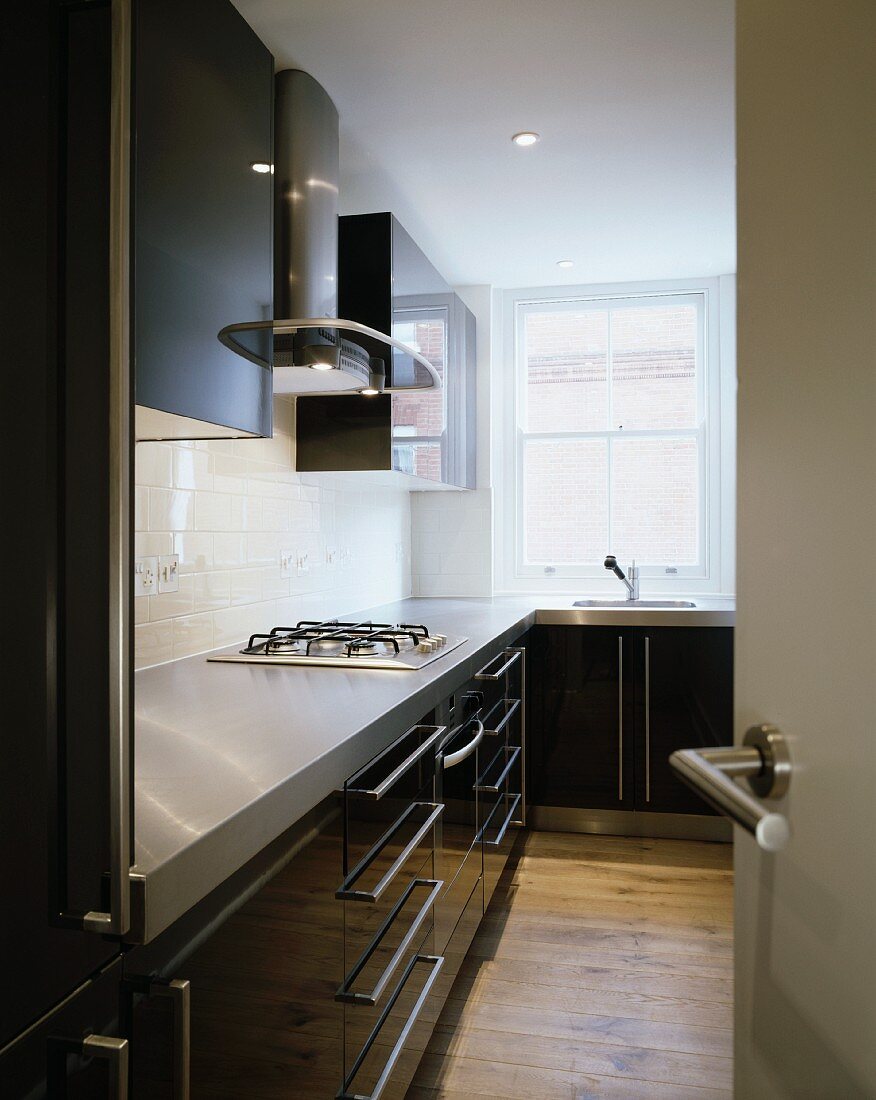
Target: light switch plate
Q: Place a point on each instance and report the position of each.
(146, 577)
(302, 562)
(168, 573)
(287, 563)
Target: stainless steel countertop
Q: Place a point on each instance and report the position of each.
(228, 756)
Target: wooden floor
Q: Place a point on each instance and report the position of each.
(603, 968)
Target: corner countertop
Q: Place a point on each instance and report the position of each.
(228, 756)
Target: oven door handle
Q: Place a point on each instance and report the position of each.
(454, 758)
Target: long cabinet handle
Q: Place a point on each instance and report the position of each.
(509, 714)
(436, 962)
(764, 761)
(499, 673)
(117, 921)
(347, 890)
(431, 735)
(500, 835)
(345, 992)
(620, 718)
(454, 758)
(496, 785)
(647, 718)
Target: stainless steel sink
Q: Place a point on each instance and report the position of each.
(632, 604)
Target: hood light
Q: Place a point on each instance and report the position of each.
(525, 137)
(322, 357)
(262, 167)
(376, 378)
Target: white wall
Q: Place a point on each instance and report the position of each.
(228, 508)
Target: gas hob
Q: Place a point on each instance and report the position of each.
(346, 644)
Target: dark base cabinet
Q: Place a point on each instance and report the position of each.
(610, 704)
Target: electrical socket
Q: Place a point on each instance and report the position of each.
(302, 563)
(287, 563)
(346, 557)
(146, 577)
(331, 557)
(168, 573)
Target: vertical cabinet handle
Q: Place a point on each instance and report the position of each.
(117, 921)
(178, 992)
(620, 718)
(647, 718)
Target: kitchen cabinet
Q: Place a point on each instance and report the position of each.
(387, 283)
(201, 236)
(612, 703)
(320, 968)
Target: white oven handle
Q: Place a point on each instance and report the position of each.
(454, 758)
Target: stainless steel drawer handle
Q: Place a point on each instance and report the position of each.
(495, 786)
(510, 711)
(345, 992)
(430, 735)
(500, 835)
(454, 758)
(106, 1048)
(178, 991)
(764, 761)
(499, 673)
(436, 962)
(347, 891)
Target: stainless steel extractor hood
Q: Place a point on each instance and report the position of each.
(311, 353)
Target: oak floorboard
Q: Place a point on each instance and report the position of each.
(603, 968)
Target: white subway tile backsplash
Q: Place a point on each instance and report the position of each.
(192, 634)
(171, 510)
(213, 511)
(451, 543)
(228, 507)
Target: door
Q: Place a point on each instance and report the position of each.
(684, 699)
(582, 751)
(806, 622)
(64, 768)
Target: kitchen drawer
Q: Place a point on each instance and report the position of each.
(384, 1043)
(499, 833)
(454, 897)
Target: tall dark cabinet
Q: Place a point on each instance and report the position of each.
(77, 310)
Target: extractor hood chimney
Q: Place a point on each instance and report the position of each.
(310, 354)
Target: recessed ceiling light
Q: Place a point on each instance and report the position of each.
(525, 137)
(262, 167)
(565, 263)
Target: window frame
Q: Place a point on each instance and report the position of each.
(714, 430)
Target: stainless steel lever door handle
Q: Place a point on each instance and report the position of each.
(764, 761)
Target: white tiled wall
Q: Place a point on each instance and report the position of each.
(452, 543)
(228, 508)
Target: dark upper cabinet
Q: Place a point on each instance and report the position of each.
(386, 282)
(201, 217)
(610, 705)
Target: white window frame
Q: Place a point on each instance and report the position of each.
(715, 430)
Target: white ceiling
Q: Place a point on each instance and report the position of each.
(633, 177)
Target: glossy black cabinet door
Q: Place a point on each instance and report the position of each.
(202, 240)
(684, 699)
(49, 1062)
(582, 743)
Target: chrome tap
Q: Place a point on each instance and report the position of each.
(631, 584)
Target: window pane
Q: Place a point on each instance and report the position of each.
(565, 485)
(422, 459)
(654, 501)
(420, 414)
(653, 367)
(566, 375)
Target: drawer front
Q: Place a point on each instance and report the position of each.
(454, 897)
(498, 836)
